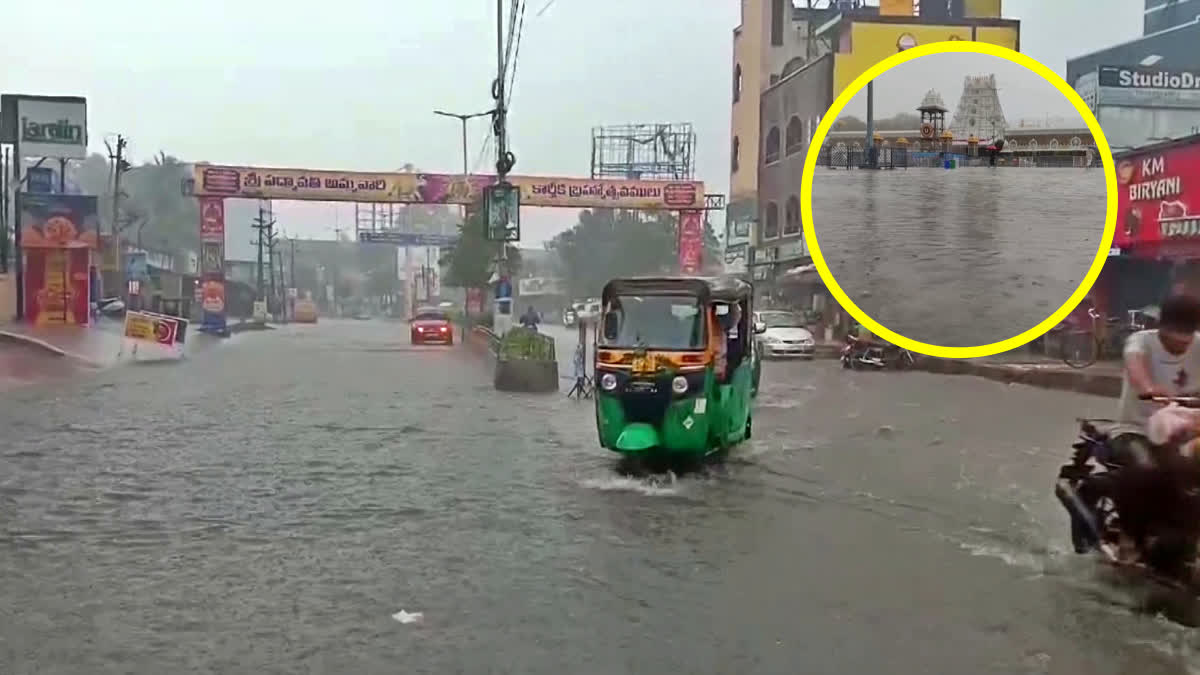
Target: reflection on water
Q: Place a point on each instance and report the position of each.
(963, 257)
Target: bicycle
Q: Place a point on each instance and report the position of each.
(1082, 348)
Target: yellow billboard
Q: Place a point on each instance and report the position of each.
(981, 9)
(896, 7)
(871, 43)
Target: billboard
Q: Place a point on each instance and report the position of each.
(871, 43)
(213, 180)
(691, 241)
(59, 221)
(45, 126)
(1159, 201)
(212, 265)
(1149, 87)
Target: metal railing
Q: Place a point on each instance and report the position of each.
(840, 157)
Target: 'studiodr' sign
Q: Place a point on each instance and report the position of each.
(1159, 200)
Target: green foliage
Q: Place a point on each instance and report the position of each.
(152, 201)
(470, 263)
(606, 244)
(524, 344)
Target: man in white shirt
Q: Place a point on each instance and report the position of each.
(1149, 491)
(1164, 361)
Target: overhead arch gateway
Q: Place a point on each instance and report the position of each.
(213, 183)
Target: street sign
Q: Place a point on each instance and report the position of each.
(502, 209)
(406, 238)
(41, 179)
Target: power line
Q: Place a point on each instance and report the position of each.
(516, 54)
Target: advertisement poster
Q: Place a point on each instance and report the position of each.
(691, 241)
(1158, 202)
(212, 220)
(160, 329)
(57, 286)
(432, 188)
(212, 265)
(59, 221)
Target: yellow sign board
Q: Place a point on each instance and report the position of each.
(871, 43)
(248, 182)
(896, 7)
(982, 9)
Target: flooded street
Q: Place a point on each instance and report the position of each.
(268, 505)
(918, 249)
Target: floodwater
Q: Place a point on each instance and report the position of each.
(961, 257)
(270, 505)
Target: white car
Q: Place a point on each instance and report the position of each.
(785, 335)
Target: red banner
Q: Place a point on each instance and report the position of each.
(1158, 202)
(57, 286)
(691, 241)
(212, 219)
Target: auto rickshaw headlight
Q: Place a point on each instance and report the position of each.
(679, 384)
(608, 382)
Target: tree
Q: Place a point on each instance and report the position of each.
(470, 263)
(605, 244)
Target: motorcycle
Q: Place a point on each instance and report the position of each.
(1127, 519)
(857, 354)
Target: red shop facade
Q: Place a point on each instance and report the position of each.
(1156, 248)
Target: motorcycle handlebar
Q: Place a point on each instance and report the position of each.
(1184, 401)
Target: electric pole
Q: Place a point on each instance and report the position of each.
(263, 226)
(120, 166)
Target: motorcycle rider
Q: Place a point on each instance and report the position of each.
(530, 319)
(1150, 490)
(1164, 361)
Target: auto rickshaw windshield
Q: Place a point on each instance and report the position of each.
(663, 322)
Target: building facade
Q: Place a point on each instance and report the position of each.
(775, 40)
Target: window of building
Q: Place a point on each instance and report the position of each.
(1076, 141)
(794, 137)
(737, 83)
(1033, 144)
(735, 154)
(1054, 144)
(771, 221)
(777, 22)
(771, 151)
(791, 216)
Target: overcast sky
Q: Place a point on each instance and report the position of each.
(351, 84)
(1023, 93)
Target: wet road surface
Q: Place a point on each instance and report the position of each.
(963, 257)
(267, 506)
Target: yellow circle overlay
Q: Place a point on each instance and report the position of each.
(810, 166)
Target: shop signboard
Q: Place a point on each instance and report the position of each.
(1159, 200)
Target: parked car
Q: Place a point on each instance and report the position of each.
(785, 335)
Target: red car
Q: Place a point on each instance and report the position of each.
(431, 326)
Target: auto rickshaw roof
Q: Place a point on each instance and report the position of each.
(726, 288)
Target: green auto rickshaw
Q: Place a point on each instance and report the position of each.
(676, 366)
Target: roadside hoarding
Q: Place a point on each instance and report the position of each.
(45, 126)
(432, 188)
(691, 241)
(160, 329)
(212, 265)
(869, 43)
(59, 221)
(1159, 201)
